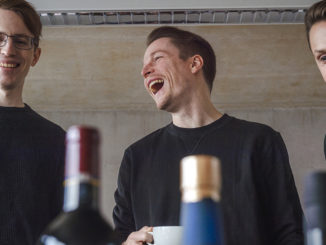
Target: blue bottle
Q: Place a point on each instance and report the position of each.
(201, 210)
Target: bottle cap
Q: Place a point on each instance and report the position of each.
(200, 178)
(82, 143)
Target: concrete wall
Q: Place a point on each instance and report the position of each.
(266, 73)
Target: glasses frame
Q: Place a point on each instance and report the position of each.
(31, 40)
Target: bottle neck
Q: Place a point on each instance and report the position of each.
(198, 194)
(81, 192)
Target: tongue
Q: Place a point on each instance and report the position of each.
(156, 87)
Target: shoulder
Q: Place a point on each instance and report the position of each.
(43, 124)
(149, 140)
(250, 127)
(260, 137)
(252, 133)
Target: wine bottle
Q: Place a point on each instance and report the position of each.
(80, 222)
(200, 208)
(315, 208)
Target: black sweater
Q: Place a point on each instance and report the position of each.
(259, 199)
(31, 174)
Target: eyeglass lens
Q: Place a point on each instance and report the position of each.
(20, 41)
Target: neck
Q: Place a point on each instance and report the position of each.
(11, 98)
(196, 114)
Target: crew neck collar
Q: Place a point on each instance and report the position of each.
(184, 131)
(14, 109)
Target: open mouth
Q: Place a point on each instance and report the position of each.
(156, 85)
(8, 65)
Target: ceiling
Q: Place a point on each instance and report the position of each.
(97, 12)
(101, 5)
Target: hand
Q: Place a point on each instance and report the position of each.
(139, 237)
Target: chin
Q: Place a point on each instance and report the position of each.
(161, 107)
(8, 86)
(165, 107)
(164, 104)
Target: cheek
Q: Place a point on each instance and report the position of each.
(322, 69)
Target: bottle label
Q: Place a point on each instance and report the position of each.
(80, 189)
(198, 194)
(81, 178)
(315, 237)
(50, 240)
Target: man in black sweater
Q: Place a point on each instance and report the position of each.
(259, 199)
(31, 147)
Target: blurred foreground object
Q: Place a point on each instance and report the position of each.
(80, 223)
(201, 189)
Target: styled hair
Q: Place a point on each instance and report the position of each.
(316, 13)
(28, 14)
(189, 44)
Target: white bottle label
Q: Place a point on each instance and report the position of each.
(315, 237)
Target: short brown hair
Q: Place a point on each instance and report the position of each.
(189, 44)
(316, 13)
(28, 14)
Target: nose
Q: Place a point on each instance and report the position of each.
(147, 69)
(9, 48)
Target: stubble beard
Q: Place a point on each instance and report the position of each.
(8, 86)
(166, 105)
(11, 87)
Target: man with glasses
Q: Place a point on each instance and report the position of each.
(31, 147)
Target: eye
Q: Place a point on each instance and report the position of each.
(322, 58)
(21, 40)
(2, 37)
(156, 58)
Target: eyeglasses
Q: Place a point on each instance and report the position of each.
(20, 41)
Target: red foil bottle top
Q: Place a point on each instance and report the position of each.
(82, 152)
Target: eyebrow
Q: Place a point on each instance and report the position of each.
(157, 51)
(319, 51)
(17, 34)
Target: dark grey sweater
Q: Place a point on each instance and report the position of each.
(31, 174)
(260, 203)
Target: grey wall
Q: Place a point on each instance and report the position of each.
(91, 75)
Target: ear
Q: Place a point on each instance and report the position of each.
(36, 56)
(197, 63)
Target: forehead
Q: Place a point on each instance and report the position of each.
(11, 23)
(317, 36)
(163, 44)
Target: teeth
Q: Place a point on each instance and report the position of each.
(155, 82)
(6, 65)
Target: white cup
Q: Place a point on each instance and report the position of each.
(167, 235)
